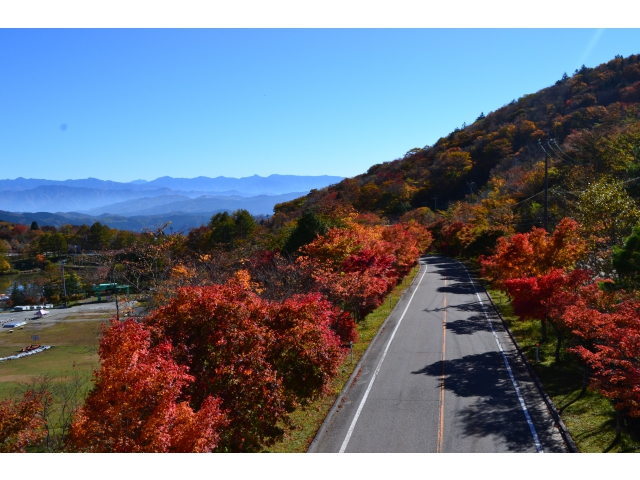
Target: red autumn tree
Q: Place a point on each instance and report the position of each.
(611, 349)
(278, 276)
(546, 297)
(306, 352)
(534, 253)
(219, 333)
(408, 240)
(135, 407)
(354, 268)
(358, 293)
(260, 357)
(21, 422)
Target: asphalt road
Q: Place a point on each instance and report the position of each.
(89, 311)
(441, 376)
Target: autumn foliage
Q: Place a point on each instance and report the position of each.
(137, 404)
(546, 298)
(356, 267)
(261, 358)
(610, 347)
(21, 422)
(534, 253)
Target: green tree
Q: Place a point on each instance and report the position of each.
(227, 229)
(4, 265)
(245, 223)
(17, 294)
(308, 228)
(606, 210)
(99, 236)
(626, 259)
(35, 226)
(223, 229)
(123, 239)
(59, 243)
(54, 286)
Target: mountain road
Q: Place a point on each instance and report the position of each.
(442, 375)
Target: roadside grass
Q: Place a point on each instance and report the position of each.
(306, 421)
(73, 344)
(589, 417)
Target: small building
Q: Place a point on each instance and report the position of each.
(110, 288)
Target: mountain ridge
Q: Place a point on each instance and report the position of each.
(255, 184)
(86, 195)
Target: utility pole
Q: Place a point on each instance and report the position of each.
(64, 285)
(435, 203)
(546, 185)
(546, 189)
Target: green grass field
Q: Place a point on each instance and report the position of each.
(73, 344)
(305, 422)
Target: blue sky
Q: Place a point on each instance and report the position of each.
(144, 103)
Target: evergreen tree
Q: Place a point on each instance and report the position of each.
(308, 228)
(626, 259)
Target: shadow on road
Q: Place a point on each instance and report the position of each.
(494, 409)
(469, 326)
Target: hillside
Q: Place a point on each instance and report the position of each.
(591, 119)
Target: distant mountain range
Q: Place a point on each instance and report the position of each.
(254, 185)
(135, 205)
(257, 205)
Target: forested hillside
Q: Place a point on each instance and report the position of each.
(484, 175)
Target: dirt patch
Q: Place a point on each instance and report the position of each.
(18, 378)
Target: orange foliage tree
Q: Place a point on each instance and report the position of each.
(21, 422)
(135, 405)
(611, 349)
(260, 357)
(534, 253)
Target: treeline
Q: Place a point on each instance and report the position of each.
(52, 242)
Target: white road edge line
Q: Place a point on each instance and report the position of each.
(375, 374)
(506, 362)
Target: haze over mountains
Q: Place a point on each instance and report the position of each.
(254, 185)
(192, 198)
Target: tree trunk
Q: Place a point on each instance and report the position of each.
(559, 336)
(585, 381)
(618, 425)
(558, 347)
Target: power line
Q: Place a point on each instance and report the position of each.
(562, 151)
(540, 143)
(567, 159)
(532, 196)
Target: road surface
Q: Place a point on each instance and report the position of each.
(441, 376)
(77, 313)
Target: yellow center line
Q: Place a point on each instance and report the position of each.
(444, 349)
